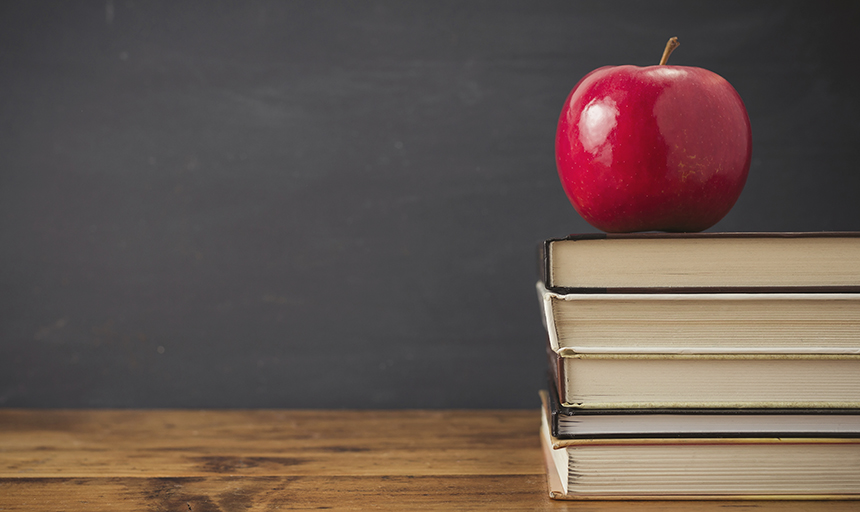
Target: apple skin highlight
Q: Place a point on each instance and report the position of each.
(659, 148)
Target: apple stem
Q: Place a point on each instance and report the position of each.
(670, 47)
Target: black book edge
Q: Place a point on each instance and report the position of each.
(544, 266)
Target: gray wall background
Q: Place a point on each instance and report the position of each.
(337, 204)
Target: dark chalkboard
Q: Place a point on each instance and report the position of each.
(338, 204)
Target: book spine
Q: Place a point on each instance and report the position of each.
(557, 376)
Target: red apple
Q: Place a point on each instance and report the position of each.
(659, 148)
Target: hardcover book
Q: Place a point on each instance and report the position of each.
(786, 323)
(700, 468)
(603, 380)
(697, 262)
(577, 423)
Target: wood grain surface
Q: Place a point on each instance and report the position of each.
(252, 460)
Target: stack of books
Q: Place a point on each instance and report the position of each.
(702, 366)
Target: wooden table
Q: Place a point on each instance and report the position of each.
(252, 460)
